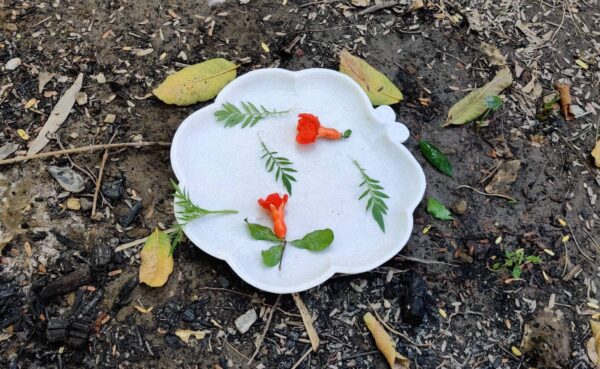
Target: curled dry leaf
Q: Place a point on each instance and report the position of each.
(596, 154)
(385, 344)
(504, 178)
(196, 83)
(379, 89)
(156, 260)
(565, 100)
(185, 334)
(473, 105)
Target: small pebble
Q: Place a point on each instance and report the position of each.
(73, 203)
(81, 98)
(245, 321)
(100, 78)
(188, 315)
(68, 179)
(110, 118)
(459, 207)
(12, 64)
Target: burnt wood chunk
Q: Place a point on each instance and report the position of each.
(67, 283)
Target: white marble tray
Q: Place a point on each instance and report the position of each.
(222, 169)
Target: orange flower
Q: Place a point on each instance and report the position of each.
(275, 206)
(309, 128)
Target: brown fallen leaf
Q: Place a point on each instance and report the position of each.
(506, 175)
(596, 154)
(416, 5)
(385, 344)
(494, 55)
(546, 340)
(565, 100)
(185, 334)
(593, 344)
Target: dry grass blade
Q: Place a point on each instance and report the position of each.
(308, 322)
(385, 343)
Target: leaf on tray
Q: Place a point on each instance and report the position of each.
(156, 259)
(282, 165)
(188, 211)
(565, 100)
(376, 196)
(248, 114)
(385, 343)
(378, 87)
(473, 105)
(261, 233)
(185, 334)
(57, 117)
(596, 154)
(315, 241)
(436, 157)
(272, 256)
(438, 210)
(196, 83)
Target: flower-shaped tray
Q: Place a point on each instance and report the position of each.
(221, 168)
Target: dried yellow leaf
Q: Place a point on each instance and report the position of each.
(199, 82)
(385, 344)
(23, 134)
(185, 334)
(265, 47)
(156, 259)
(562, 222)
(427, 229)
(516, 351)
(443, 313)
(566, 238)
(582, 64)
(473, 105)
(30, 103)
(596, 154)
(378, 87)
(143, 310)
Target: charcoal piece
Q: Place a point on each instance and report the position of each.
(128, 218)
(67, 283)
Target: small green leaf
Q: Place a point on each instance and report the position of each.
(347, 133)
(436, 157)
(516, 272)
(232, 115)
(493, 102)
(261, 233)
(438, 210)
(496, 265)
(272, 256)
(315, 241)
(533, 259)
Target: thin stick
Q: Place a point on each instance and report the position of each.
(423, 261)
(578, 247)
(264, 333)
(82, 149)
(99, 182)
(377, 7)
(302, 358)
(488, 194)
(139, 241)
(308, 322)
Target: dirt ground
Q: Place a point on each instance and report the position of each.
(449, 307)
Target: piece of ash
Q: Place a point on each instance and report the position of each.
(546, 338)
